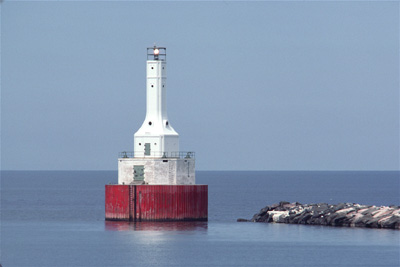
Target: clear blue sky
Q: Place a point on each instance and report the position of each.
(251, 85)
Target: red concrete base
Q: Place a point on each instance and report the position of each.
(156, 202)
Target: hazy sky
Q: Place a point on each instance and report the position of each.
(251, 85)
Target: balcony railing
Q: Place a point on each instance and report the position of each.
(141, 154)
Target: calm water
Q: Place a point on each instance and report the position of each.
(57, 219)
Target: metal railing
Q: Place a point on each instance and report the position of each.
(183, 154)
(141, 154)
(126, 154)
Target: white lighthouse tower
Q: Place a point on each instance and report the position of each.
(156, 137)
(156, 158)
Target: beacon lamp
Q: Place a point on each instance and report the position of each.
(156, 52)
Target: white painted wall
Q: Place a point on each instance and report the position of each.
(157, 172)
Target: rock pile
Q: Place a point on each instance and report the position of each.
(343, 214)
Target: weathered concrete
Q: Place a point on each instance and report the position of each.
(343, 214)
(158, 171)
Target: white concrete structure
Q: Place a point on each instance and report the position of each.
(156, 157)
(157, 171)
(156, 137)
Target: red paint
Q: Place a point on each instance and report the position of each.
(157, 202)
(117, 202)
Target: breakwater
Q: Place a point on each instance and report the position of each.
(343, 214)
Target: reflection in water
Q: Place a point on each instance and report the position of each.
(155, 226)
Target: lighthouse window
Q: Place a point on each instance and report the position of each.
(152, 85)
(140, 144)
(152, 68)
(166, 123)
(150, 123)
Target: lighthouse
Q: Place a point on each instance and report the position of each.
(156, 137)
(156, 181)
(156, 157)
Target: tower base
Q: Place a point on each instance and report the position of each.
(156, 202)
(158, 171)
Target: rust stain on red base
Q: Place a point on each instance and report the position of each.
(156, 202)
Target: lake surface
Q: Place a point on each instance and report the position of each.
(56, 218)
